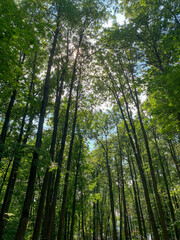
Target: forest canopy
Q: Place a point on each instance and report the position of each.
(89, 120)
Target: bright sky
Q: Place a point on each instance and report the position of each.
(120, 19)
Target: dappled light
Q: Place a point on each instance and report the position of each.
(89, 120)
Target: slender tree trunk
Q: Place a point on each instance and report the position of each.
(111, 193)
(84, 226)
(79, 228)
(174, 196)
(74, 198)
(98, 218)
(136, 201)
(6, 122)
(141, 171)
(49, 189)
(121, 214)
(139, 164)
(127, 236)
(47, 182)
(82, 219)
(30, 189)
(94, 221)
(119, 196)
(173, 154)
(158, 199)
(61, 152)
(108, 233)
(68, 224)
(8, 114)
(129, 227)
(65, 224)
(101, 221)
(177, 232)
(61, 222)
(139, 202)
(157, 217)
(17, 158)
(39, 215)
(56, 111)
(136, 101)
(29, 126)
(5, 174)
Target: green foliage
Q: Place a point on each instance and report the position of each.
(135, 66)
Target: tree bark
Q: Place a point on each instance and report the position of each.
(120, 198)
(8, 114)
(30, 189)
(139, 202)
(173, 154)
(47, 182)
(126, 233)
(5, 174)
(74, 198)
(61, 152)
(39, 215)
(136, 102)
(111, 194)
(61, 222)
(158, 199)
(136, 201)
(177, 232)
(94, 221)
(17, 158)
(139, 164)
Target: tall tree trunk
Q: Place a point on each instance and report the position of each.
(139, 202)
(174, 196)
(6, 122)
(136, 200)
(121, 214)
(74, 196)
(5, 174)
(139, 164)
(129, 227)
(84, 226)
(127, 236)
(101, 221)
(65, 225)
(29, 126)
(57, 108)
(39, 215)
(30, 189)
(61, 152)
(8, 114)
(111, 193)
(173, 154)
(48, 176)
(98, 217)
(61, 222)
(17, 158)
(163, 225)
(108, 227)
(82, 218)
(158, 199)
(136, 102)
(120, 197)
(177, 232)
(94, 221)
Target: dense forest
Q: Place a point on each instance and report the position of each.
(89, 120)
